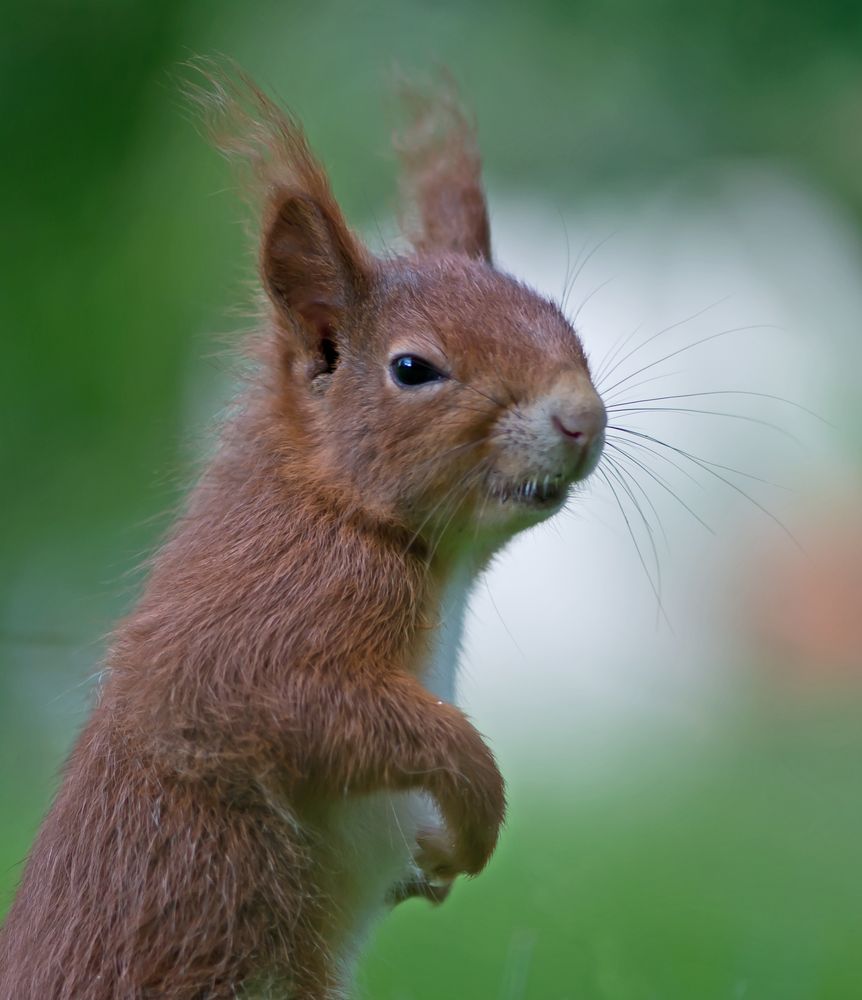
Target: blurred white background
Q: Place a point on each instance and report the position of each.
(566, 647)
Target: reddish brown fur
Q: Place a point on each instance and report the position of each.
(270, 666)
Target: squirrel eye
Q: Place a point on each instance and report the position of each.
(408, 370)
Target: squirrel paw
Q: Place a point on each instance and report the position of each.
(418, 887)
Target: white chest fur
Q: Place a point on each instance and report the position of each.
(373, 837)
(440, 673)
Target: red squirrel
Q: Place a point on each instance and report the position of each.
(274, 757)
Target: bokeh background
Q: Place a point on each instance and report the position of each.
(686, 804)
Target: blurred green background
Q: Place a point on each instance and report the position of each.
(729, 865)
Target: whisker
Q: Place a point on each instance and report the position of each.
(464, 408)
(617, 346)
(503, 622)
(580, 267)
(571, 273)
(592, 294)
(706, 468)
(479, 520)
(568, 271)
(436, 459)
(484, 395)
(622, 409)
(466, 483)
(629, 475)
(732, 392)
(661, 455)
(666, 329)
(616, 472)
(689, 347)
(661, 482)
(466, 385)
(698, 458)
(609, 398)
(601, 472)
(623, 475)
(437, 506)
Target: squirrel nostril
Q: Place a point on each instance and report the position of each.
(573, 432)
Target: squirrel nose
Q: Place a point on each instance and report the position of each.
(581, 425)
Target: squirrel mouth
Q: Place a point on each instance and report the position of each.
(536, 491)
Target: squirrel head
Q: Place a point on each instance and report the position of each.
(430, 388)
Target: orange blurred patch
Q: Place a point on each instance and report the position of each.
(806, 610)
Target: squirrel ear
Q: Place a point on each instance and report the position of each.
(442, 174)
(312, 267)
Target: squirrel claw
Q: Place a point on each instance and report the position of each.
(435, 856)
(418, 887)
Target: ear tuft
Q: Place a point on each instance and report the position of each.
(312, 266)
(442, 173)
